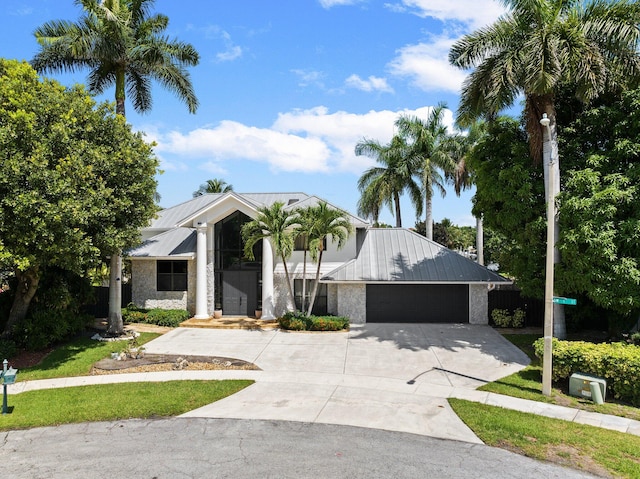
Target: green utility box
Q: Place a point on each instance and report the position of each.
(580, 385)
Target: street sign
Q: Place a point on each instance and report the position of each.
(561, 300)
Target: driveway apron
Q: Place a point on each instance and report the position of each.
(385, 376)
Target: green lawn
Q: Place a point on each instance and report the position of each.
(598, 451)
(527, 384)
(110, 402)
(76, 358)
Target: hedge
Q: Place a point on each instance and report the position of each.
(297, 321)
(618, 363)
(161, 317)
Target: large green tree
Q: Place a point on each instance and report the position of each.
(539, 46)
(430, 153)
(122, 44)
(387, 182)
(599, 206)
(75, 182)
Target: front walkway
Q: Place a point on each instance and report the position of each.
(393, 377)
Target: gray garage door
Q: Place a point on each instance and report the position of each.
(417, 303)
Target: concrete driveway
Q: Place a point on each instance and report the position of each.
(385, 376)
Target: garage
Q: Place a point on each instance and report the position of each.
(417, 303)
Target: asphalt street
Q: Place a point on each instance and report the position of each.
(180, 448)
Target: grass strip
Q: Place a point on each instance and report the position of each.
(76, 358)
(109, 402)
(595, 450)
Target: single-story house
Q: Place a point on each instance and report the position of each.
(192, 258)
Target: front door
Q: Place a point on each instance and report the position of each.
(239, 293)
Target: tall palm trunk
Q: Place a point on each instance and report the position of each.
(428, 217)
(480, 240)
(304, 276)
(396, 200)
(315, 283)
(288, 279)
(115, 325)
(551, 160)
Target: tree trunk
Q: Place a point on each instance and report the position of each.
(304, 277)
(396, 199)
(292, 298)
(27, 285)
(428, 218)
(315, 285)
(115, 325)
(551, 159)
(480, 240)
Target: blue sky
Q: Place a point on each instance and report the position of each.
(288, 87)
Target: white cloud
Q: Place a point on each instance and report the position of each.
(332, 3)
(427, 65)
(472, 13)
(307, 141)
(370, 84)
(309, 77)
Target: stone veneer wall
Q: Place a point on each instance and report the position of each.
(332, 298)
(478, 304)
(352, 302)
(145, 295)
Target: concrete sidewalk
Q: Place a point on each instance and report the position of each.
(394, 377)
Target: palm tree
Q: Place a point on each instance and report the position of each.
(537, 47)
(461, 177)
(275, 224)
(305, 230)
(215, 185)
(328, 222)
(428, 149)
(387, 182)
(123, 45)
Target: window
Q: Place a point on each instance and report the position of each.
(320, 304)
(171, 276)
(301, 243)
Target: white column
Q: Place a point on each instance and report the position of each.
(201, 272)
(268, 301)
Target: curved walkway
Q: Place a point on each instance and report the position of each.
(389, 377)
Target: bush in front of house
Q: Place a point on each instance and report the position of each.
(160, 317)
(298, 321)
(503, 319)
(618, 363)
(42, 328)
(8, 349)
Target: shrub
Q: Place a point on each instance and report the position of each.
(43, 328)
(618, 363)
(298, 321)
(635, 339)
(502, 319)
(160, 317)
(8, 349)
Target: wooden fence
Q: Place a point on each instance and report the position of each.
(512, 300)
(100, 309)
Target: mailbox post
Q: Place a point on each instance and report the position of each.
(8, 377)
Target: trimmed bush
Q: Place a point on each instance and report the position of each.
(160, 317)
(298, 321)
(503, 319)
(43, 328)
(8, 349)
(618, 363)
